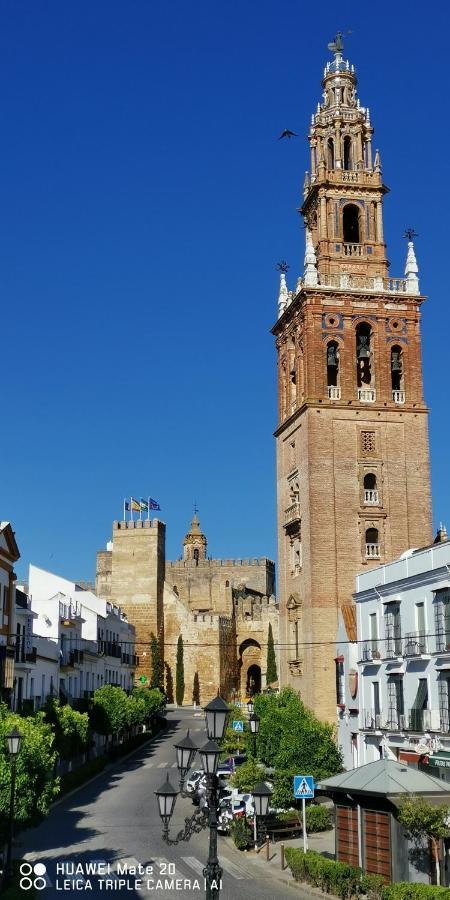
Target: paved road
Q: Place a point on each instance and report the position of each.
(115, 820)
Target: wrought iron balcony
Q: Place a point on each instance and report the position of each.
(367, 395)
(372, 720)
(371, 498)
(415, 644)
(370, 652)
(334, 393)
(424, 720)
(398, 396)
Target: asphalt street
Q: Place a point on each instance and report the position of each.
(113, 824)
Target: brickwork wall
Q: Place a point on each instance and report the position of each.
(204, 586)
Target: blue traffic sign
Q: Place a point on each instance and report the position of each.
(238, 725)
(303, 787)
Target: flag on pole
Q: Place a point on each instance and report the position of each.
(144, 505)
(135, 505)
(127, 506)
(153, 504)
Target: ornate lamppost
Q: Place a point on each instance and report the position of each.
(250, 706)
(14, 741)
(261, 798)
(216, 714)
(254, 721)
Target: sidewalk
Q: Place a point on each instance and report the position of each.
(322, 842)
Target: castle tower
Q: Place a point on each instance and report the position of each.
(130, 573)
(195, 543)
(352, 439)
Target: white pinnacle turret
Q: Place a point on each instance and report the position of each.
(283, 296)
(310, 277)
(411, 271)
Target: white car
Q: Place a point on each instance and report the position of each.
(193, 780)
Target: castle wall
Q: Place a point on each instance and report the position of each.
(207, 585)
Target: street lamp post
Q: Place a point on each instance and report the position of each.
(250, 706)
(254, 721)
(14, 740)
(216, 714)
(261, 797)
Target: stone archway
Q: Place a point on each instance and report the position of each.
(250, 666)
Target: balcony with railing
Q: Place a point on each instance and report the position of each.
(395, 720)
(415, 644)
(370, 653)
(292, 514)
(354, 250)
(373, 551)
(344, 281)
(69, 611)
(110, 648)
(442, 628)
(371, 498)
(71, 657)
(367, 395)
(393, 644)
(421, 720)
(22, 655)
(372, 720)
(398, 396)
(334, 393)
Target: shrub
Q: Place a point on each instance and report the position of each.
(247, 776)
(331, 877)
(71, 728)
(372, 886)
(109, 710)
(318, 818)
(241, 833)
(407, 891)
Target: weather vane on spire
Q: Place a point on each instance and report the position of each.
(410, 233)
(337, 45)
(195, 508)
(282, 266)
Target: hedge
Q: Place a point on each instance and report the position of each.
(241, 833)
(348, 881)
(318, 818)
(403, 890)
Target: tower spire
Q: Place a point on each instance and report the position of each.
(411, 267)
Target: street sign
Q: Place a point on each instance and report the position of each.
(238, 726)
(303, 787)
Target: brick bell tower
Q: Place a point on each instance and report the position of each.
(352, 440)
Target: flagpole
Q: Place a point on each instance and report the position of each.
(124, 508)
(131, 509)
(140, 511)
(148, 508)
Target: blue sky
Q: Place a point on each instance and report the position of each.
(145, 202)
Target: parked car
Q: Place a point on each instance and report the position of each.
(239, 759)
(225, 768)
(224, 815)
(193, 780)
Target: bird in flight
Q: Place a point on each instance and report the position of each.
(287, 133)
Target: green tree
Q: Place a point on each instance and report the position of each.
(234, 741)
(169, 683)
(109, 710)
(271, 673)
(36, 787)
(196, 689)
(247, 776)
(153, 700)
(71, 728)
(179, 673)
(156, 678)
(422, 820)
(291, 740)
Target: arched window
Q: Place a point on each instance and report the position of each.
(196, 555)
(372, 543)
(330, 153)
(364, 355)
(370, 489)
(397, 374)
(350, 224)
(333, 370)
(348, 162)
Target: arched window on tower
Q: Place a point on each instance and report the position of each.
(364, 370)
(348, 161)
(196, 555)
(350, 224)
(372, 543)
(334, 390)
(330, 153)
(397, 380)
(371, 496)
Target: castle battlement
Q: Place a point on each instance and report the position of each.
(217, 563)
(136, 524)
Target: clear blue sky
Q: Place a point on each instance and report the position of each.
(145, 202)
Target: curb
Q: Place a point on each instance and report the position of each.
(106, 768)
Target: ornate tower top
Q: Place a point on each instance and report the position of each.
(195, 543)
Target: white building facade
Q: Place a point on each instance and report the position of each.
(403, 661)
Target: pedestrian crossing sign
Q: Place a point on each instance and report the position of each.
(303, 787)
(238, 726)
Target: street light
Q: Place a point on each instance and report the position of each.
(14, 741)
(261, 797)
(250, 706)
(186, 750)
(254, 721)
(216, 714)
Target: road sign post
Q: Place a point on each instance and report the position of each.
(238, 725)
(304, 790)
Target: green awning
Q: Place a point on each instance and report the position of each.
(440, 760)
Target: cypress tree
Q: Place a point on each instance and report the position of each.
(271, 670)
(169, 683)
(196, 690)
(156, 679)
(179, 674)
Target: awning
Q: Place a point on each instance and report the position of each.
(440, 760)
